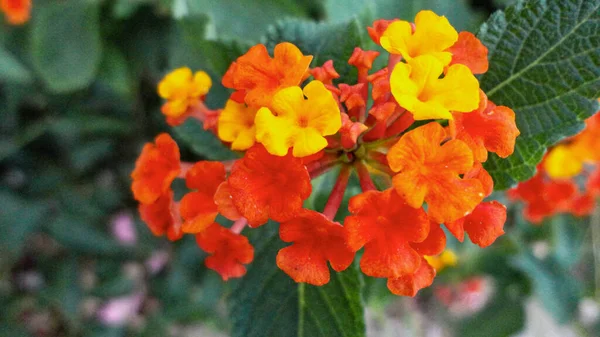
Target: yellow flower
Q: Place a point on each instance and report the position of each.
(298, 122)
(182, 89)
(563, 162)
(417, 88)
(446, 259)
(433, 34)
(236, 125)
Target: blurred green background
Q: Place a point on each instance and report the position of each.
(78, 93)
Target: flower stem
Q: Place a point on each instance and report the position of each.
(239, 225)
(322, 165)
(337, 194)
(364, 177)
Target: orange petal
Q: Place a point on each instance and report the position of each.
(468, 50)
(409, 285)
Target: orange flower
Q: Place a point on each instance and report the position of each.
(224, 202)
(155, 169)
(484, 225)
(379, 27)
(410, 284)
(162, 218)
(17, 11)
(229, 251)
(488, 128)
(265, 186)
(257, 77)
(468, 50)
(316, 240)
(428, 171)
(325, 73)
(198, 208)
(386, 226)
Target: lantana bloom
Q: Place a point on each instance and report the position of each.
(288, 129)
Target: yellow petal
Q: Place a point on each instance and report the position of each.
(458, 90)
(562, 163)
(174, 82)
(236, 125)
(307, 141)
(202, 84)
(321, 109)
(395, 38)
(275, 133)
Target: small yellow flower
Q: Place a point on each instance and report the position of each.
(236, 125)
(417, 88)
(563, 162)
(446, 259)
(433, 34)
(297, 122)
(182, 89)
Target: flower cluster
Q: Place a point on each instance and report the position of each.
(292, 123)
(554, 188)
(17, 12)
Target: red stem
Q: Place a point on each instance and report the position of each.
(322, 165)
(239, 225)
(185, 167)
(364, 177)
(337, 194)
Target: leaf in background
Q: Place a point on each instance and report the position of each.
(458, 12)
(242, 19)
(202, 142)
(18, 219)
(64, 292)
(553, 284)
(65, 44)
(568, 236)
(324, 41)
(114, 72)
(545, 65)
(267, 302)
(11, 69)
(78, 235)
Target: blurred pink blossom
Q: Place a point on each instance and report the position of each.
(118, 311)
(157, 261)
(123, 228)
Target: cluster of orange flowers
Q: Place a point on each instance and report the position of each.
(555, 189)
(17, 12)
(293, 123)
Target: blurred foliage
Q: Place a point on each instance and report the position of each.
(77, 86)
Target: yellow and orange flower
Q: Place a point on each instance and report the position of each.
(236, 125)
(430, 172)
(184, 91)
(256, 76)
(416, 86)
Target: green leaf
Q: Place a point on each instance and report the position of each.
(267, 302)
(242, 19)
(18, 219)
(66, 44)
(568, 236)
(202, 142)
(545, 65)
(11, 69)
(84, 238)
(558, 291)
(458, 12)
(324, 41)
